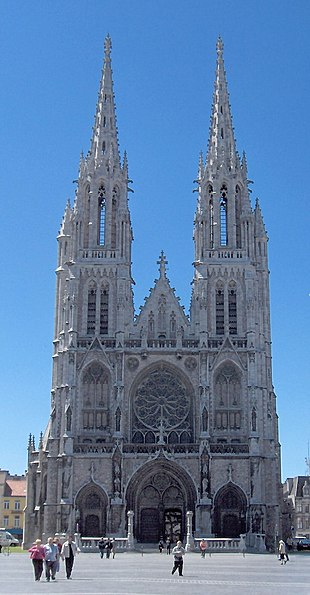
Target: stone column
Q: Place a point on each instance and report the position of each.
(130, 538)
(190, 544)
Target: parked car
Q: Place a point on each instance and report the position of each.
(7, 540)
(303, 543)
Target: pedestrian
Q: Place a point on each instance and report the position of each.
(101, 545)
(37, 555)
(161, 546)
(203, 547)
(51, 555)
(108, 547)
(168, 546)
(113, 548)
(57, 542)
(282, 552)
(68, 553)
(178, 553)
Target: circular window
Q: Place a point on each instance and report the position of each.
(161, 401)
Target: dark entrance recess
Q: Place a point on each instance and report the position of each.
(230, 512)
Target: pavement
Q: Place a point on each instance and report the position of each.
(131, 573)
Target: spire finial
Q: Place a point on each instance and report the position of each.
(162, 265)
(219, 46)
(107, 47)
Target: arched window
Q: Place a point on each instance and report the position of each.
(113, 217)
(104, 311)
(223, 216)
(91, 311)
(227, 389)
(219, 306)
(95, 397)
(211, 216)
(101, 215)
(237, 216)
(232, 311)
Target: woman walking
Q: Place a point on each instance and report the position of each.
(37, 555)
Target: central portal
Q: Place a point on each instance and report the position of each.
(160, 496)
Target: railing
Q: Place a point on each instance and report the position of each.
(93, 448)
(225, 253)
(98, 253)
(90, 544)
(219, 544)
(150, 448)
(106, 343)
(221, 448)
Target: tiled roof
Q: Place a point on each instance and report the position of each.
(15, 487)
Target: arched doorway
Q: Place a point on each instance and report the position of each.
(91, 504)
(230, 508)
(160, 494)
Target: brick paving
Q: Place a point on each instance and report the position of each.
(150, 574)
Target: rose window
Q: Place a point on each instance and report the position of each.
(161, 401)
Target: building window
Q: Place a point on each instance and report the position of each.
(219, 304)
(17, 505)
(6, 521)
(6, 505)
(104, 312)
(232, 311)
(101, 217)
(237, 216)
(113, 217)
(16, 522)
(91, 312)
(223, 217)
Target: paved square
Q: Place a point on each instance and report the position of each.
(150, 574)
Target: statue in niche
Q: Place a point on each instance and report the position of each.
(117, 479)
(254, 419)
(66, 479)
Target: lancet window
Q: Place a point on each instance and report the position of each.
(223, 217)
(219, 305)
(101, 215)
(95, 397)
(91, 311)
(232, 310)
(104, 311)
(227, 389)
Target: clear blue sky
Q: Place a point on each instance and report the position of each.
(163, 60)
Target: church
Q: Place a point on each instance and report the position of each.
(160, 414)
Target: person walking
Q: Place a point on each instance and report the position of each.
(161, 546)
(282, 552)
(178, 553)
(57, 542)
(203, 547)
(68, 553)
(51, 555)
(168, 546)
(37, 555)
(108, 547)
(101, 545)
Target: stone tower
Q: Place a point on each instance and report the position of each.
(162, 413)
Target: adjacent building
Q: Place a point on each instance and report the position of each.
(296, 495)
(160, 414)
(12, 503)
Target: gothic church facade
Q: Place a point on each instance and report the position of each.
(160, 413)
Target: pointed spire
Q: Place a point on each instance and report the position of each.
(162, 265)
(222, 145)
(260, 230)
(104, 140)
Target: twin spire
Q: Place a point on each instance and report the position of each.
(104, 142)
(222, 146)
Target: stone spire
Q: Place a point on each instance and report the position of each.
(222, 146)
(104, 142)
